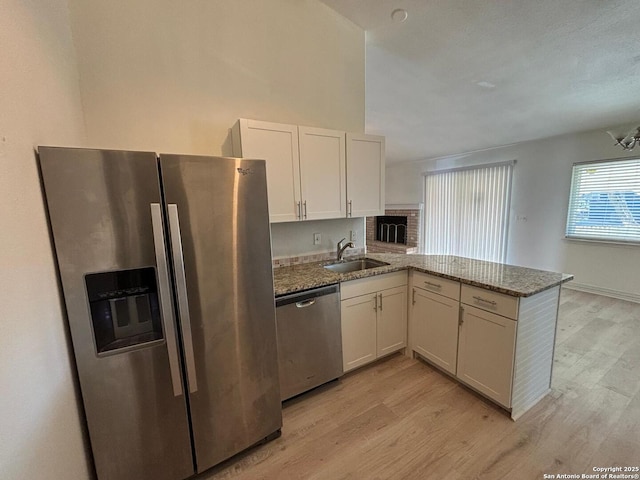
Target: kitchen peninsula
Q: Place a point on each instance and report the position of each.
(500, 277)
(490, 326)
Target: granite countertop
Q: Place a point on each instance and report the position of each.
(502, 278)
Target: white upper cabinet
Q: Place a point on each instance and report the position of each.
(315, 173)
(322, 173)
(365, 175)
(306, 169)
(278, 145)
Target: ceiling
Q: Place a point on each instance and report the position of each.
(463, 75)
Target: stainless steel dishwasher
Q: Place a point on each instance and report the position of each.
(309, 339)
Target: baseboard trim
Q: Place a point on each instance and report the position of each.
(581, 287)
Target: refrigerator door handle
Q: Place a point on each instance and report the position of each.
(183, 300)
(168, 318)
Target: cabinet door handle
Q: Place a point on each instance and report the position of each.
(305, 209)
(350, 208)
(375, 306)
(413, 297)
(484, 300)
(380, 301)
(434, 285)
(299, 210)
(460, 313)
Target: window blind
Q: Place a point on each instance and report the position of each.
(604, 203)
(467, 211)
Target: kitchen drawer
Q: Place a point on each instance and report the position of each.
(495, 302)
(439, 285)
(376, 283)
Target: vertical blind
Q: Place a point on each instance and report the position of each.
(467, 212)
(605, 201)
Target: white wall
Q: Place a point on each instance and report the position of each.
(541, 184)
(175, 76)
(40, 426)
(403, 183)
(171, 76)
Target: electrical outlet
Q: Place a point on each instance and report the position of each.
(317, 239)
(354, 236)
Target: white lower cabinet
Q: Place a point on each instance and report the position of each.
(486, 350)
(435, 328)
(499, 345)
(359, 325)
(374, 318)
(474, 344)
(391, 321)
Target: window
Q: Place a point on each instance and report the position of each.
(605, 201)
(467, 211)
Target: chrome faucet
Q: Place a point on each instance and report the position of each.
(340, 250)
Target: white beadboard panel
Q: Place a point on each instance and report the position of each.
(534, 349)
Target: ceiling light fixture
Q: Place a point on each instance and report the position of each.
(399, 15)
(628, 141)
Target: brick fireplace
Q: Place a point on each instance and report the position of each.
(398, 231)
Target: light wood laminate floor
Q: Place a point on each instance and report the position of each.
(402, 419)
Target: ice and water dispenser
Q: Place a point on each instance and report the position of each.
(125, 309)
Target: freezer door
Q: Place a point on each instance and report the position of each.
(221, 248)
(106, 218)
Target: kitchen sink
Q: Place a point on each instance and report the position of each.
(355, 265)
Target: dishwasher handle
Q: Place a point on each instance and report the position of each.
(303, 296)
(306, 303)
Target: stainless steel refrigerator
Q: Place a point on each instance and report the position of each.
(165, 267)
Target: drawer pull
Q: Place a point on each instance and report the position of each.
(484, 300)
(434, 285)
